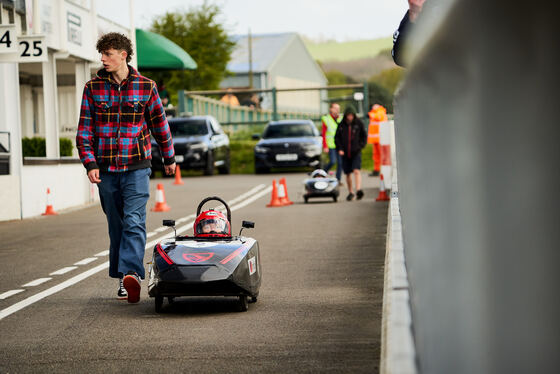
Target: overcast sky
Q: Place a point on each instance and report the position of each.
(319, 19)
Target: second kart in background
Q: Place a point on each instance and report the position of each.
(321, 184)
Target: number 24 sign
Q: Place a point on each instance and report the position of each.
(23, 48)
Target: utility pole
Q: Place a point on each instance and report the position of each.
(250, 39)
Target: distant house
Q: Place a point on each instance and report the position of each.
(281, 61)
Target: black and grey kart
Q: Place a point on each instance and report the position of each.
(206, 266)
(320, 184)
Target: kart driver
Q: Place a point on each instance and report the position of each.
(213, 226)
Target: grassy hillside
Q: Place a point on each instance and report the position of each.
(346, 51)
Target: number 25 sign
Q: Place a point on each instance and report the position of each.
(32, 48)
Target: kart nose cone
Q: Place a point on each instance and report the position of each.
(321, 185)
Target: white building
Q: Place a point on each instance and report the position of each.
(282, 61)
(47, 54)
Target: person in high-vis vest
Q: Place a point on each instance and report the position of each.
(376, 115)
(329, 125)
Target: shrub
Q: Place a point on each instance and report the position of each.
(65, 147)
(36, 147)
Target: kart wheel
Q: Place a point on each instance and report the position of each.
(170, 299)
(242, 303)
(158, 303)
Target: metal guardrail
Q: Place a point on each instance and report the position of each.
(196, 103)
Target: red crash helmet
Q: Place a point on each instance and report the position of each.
(211, 223)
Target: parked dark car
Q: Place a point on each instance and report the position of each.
(200, 144)
(288, 143)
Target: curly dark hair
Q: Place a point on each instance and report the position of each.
(117, 41)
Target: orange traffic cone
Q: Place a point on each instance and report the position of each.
(178, 179)
(274, 201)
(161, 204)
(283, 193)
(382, 193)
(50, 210)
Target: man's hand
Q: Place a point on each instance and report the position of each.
(170, 169)
(326, 150)
(93, 176)
(415, 7)
(341, 153)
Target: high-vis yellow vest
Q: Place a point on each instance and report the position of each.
(332, 125)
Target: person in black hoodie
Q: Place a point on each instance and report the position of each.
(349, 139)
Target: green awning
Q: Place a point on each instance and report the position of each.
(156, 52)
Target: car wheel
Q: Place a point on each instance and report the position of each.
(335, 198)
(242, 303)
(209, 169)
(253, 299)
(159, 303)
(225, 169)
(305, 199)
(153, 173)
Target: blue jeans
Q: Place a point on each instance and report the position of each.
(123, 198)
(334, 157)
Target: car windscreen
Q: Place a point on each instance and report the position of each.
(191, 127)
(288, 130)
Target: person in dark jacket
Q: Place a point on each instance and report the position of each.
(400, 36)
(349, 139)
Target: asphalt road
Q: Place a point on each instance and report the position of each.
(319, 308)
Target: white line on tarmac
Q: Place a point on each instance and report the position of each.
(101, 254)
(41, 295)
(77, 278)
(7, 294)
(36, 282)
(63, 270)
(86, 261)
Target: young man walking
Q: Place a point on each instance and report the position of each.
(350, 138)
(119, 110)
(329, 125)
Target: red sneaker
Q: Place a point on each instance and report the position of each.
(131, 283)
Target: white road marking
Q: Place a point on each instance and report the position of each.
(7, 294)
(36, 282)
(63, 270)
(41, 295)
(77, 278)
(86, 261)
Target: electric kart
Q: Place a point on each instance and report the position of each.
(210, 263)
(320, 184)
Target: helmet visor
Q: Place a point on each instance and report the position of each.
(212, 226)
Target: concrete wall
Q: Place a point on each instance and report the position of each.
(68, 184)
(9, 197)
(478, 149)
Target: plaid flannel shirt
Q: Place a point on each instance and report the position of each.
(116, 121)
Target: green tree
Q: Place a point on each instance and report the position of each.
(199, 32)
(335, 77)
(389, 78)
